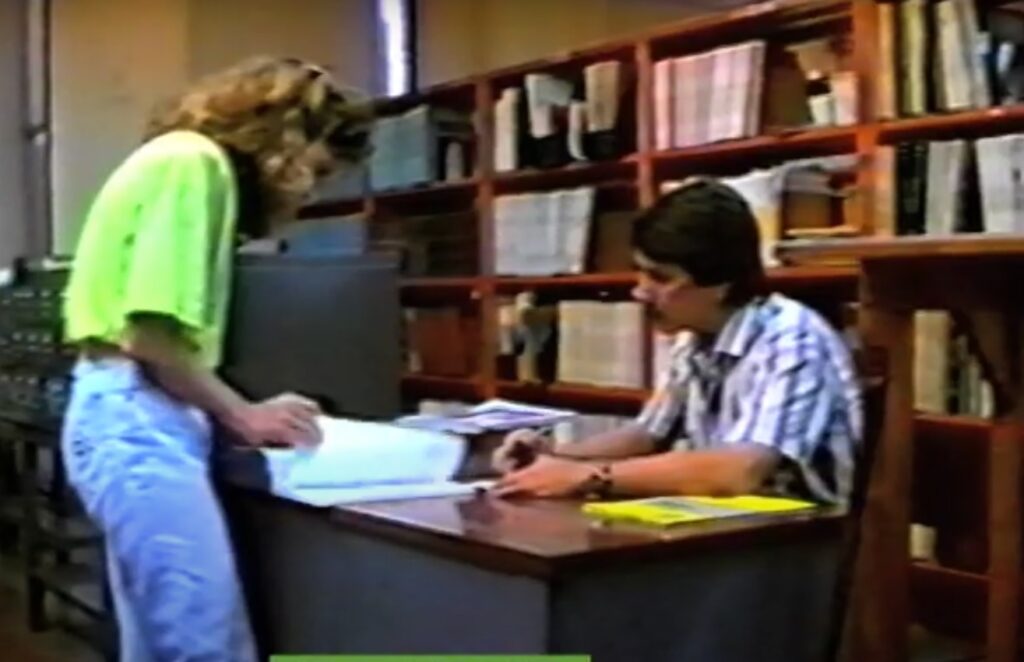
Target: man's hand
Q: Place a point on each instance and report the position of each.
(546, 477)
(287, 419)
(504, 457)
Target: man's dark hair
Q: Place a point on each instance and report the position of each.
(707, 229)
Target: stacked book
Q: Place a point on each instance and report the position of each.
(944, 187)
(539, 234)
(948, 55)
(495, 415)
(566, 429)
(551, 120)
(601, 343)
(709, 96)
(423, 145)
(947, 376)
(795, 195)
(591, 342)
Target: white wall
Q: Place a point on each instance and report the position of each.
(339, 34)
(13, 204)
(112, 59)
(458, 38)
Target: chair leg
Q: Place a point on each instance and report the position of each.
(59, 498)
(8, 489)
(35, 591)
(35, 594)
(112, 652)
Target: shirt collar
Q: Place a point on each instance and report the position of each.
(739, 332)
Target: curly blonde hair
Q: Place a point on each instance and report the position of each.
(274, 110)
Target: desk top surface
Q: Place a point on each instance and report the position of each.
(542, 535)
(903, 248)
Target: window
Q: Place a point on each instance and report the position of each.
(396, 23)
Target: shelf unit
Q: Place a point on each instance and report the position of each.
(951, 597)
(964, 442)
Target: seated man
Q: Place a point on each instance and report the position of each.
(761, 395)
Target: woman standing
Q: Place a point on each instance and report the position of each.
(235, 155)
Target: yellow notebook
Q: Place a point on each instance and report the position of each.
(666, 511)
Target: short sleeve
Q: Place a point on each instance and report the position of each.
(172, 260)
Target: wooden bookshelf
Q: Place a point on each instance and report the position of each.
(841, 277)
(988, 121)
(442, 283)
(949, 601)
(452, 388)
(827, 273)
(971, 429)
(914, 248)
(611, 281)
(582, 174)
(429, 193)
(333, 208)
(795, 143)
(962, 475)
(622, 401)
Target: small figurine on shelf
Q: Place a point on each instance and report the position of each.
(533, 327)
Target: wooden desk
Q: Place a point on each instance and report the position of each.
(981, 279)
(477, 575)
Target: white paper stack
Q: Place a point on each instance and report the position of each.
(360, 461)
(495, 415)
(542, 234)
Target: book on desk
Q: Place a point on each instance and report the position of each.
(361, 461)
(413, 457)
(672, 510)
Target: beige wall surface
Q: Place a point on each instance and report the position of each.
(340, 34)
(113, 59)
(13, 235)
(458, 38)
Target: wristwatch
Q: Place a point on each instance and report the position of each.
(599, 484)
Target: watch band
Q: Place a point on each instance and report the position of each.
(600, 483)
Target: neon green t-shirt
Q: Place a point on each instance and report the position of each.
(159, 238)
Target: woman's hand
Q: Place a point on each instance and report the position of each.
(286, 419)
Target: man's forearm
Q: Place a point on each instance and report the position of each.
(719, 472)
(627, 441)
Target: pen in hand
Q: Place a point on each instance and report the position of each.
(522, 455)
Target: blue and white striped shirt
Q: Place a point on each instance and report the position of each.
(777, 374)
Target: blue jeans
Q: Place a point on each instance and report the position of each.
(139, 461)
